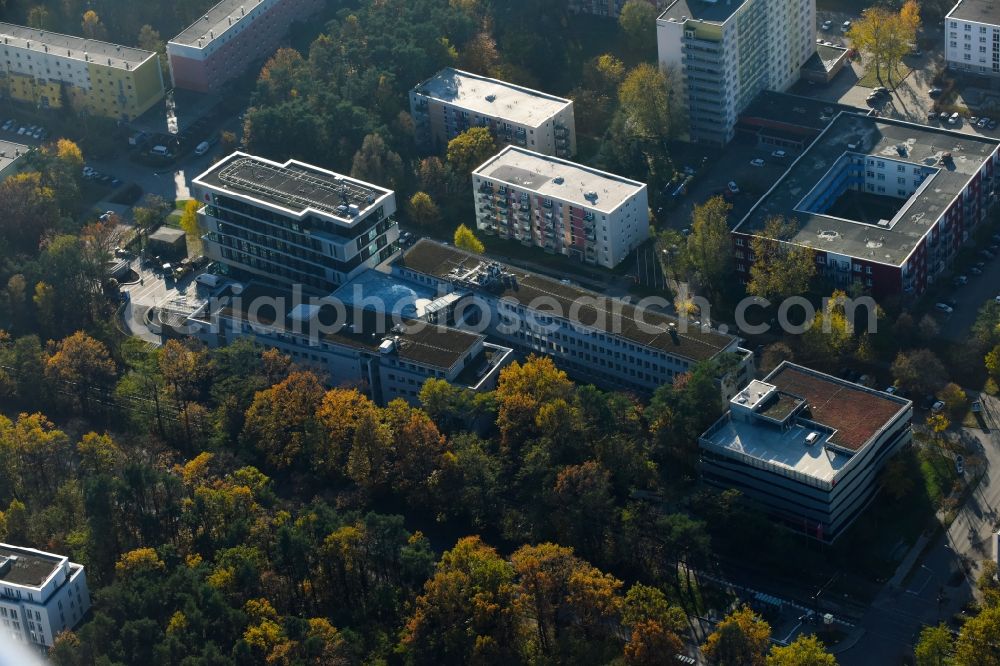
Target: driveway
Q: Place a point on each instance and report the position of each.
(970, 298)
(941, 583)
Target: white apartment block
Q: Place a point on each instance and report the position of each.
(725, 52)
(453, 101)
(293, 222)
(41, 594)
(591, 336)
(560, 206)
(972, 37)
(807, 447)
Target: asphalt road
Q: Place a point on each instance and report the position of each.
(941, 583)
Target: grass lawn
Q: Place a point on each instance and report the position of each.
(870, 80)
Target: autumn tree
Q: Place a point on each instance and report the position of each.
(189, 222)
(423, 211)
(885, 36)
(934, 647)
(470, 149)
(805, 650)
(480, 54)
(604, 73)
(466, 240)
(954, 398)
(81, 365)
(709, 247)
(919, 371)
(650, 105)
(978, 639)
(30, 211)
(376, 163)
(432, 176)
(341, 414)
(779, 269)
(281, 422)
(741, 638)
(830, 334)
(655, 626)
(39, 18)
(466, 613)
(92, 26)
(637, 19)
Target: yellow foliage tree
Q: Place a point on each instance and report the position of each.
(466, 240)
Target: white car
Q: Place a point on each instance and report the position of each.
(997, 299)
(845, 26)
(827, 25)
(757, 162)
(944, 307)
(733, 187)
(21, 131)
(778, 153)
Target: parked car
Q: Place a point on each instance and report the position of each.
(980, 265)
(845, 26)
(757, 162)
(944, 116)
(779, 154)
(997, 299)
(891, 390)
(974, 120)
(827, 25)
(935, 92)
(733, 187)
(976, 271)
(962, 279)
(943, 307)
(7, 125)
(987, 254)
(937, 406)
(21, 131)
(983, 123)
(954, 119)
(931, 116)
(960, 464)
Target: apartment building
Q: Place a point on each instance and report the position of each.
(726, 52)
(374, 335)
(591, 336)
(883, 203)
(41, 594)
(561, 207)
(48, 70)
(232, 35)
(972, 37)
(452, 101)
(294, 223)
(806, 446)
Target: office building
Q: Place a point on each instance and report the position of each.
(41, 594)
(374, 334)
(724, 53)
(48, 70)
(806, 447)
(452, 101)
(593, 337)
(972, 37)
(294, 223)
(231, 36)
(561, 207)
(884, 203)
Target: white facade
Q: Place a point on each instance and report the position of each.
(453, 101)
(972, 38)
(561, 207)
(294, 222)
(41, 594)
(726, 53)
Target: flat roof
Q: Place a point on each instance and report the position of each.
(714, 11)
(825, 58)
(10, 152)
(392, 296)
(857, 413)
(167, 234)
(640, 326)
(419, 342)
(28, 566)
(559, 179)
(922, 145)
(216, 20)
(293, 186)
(492, 97)
(75, 48)
(786, 448)
(788, 109)
(979, 11)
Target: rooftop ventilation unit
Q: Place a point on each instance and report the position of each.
(558, 180)
(491, 98)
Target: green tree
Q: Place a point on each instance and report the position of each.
(466, 240)
(40, 18)
(740, 639)
(470, 149)
(803, 651)
(934, 648)
(92, 26)
(993, 362)
(423, 211)
(638, 21)
(779, 269)
(651, 107)
(709, 247)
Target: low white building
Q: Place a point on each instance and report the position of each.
(41, 594)
(560, 206)
(806, 447)
(972, 37)
(453, 101)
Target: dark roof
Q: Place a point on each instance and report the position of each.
(710, 11)
(167, 235)
(419, 342)
(980, 11)
(855, 412)
(794, 110)
(924, 147)
(640, 326)
(29, 568)
(294, 186)
(825, 58)
(780, 408)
